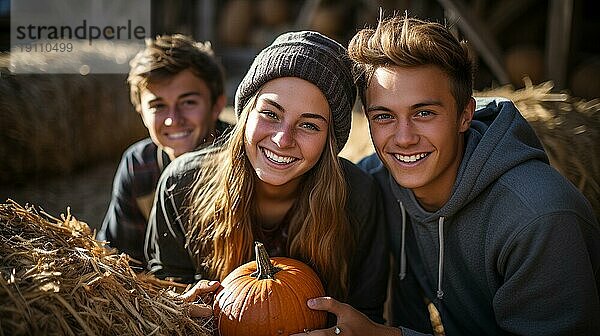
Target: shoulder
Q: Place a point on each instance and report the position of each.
(181, 171)
(370, 163)
(140, 159)
(541, 189)
(373, 166)
(141, 156)
(363, 191)
(141, 150)
(356, 178)
(223, 128)
(527, 202)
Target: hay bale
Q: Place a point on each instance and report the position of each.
(55, 279)
(569, 129)
(53, 124)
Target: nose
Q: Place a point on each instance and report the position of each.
(174, 117)
(406, 134)
(284, 137)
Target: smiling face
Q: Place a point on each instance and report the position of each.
(178, 112)
(287, 131)
(416, 129)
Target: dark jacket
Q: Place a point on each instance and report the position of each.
(368, 275)
(515, 250)
(134, 185)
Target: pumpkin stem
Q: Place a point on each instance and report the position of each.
(264, 267)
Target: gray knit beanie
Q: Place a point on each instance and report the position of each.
(315, 58)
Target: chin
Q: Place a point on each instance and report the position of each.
(405, 181)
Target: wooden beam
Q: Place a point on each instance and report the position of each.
(505, 13)
(205, 13)
(558, 41)
(478, 34)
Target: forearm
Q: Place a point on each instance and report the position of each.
(165, 239)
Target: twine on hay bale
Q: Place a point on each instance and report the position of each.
(55, 279)
(569, 129)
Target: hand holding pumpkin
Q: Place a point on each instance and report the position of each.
(267, 297)
(349, 320)
(200, 291)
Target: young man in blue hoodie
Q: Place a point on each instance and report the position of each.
(480, 224)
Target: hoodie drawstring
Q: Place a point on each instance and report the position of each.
(402, 248)
(440, 293)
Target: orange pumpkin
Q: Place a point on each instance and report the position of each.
(268, 297)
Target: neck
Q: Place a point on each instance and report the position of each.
(268, 192)
(274, 202)
(433, 203)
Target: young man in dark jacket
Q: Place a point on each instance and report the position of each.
(480, 224)
(176, 85)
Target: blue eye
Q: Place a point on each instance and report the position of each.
(269, 114)
(189, 103)
(157, 108)
(424, 113)
(310, 126)
(381, 116)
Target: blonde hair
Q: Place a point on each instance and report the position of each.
(410, 42)
(223, 211)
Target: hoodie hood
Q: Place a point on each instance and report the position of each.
(498, 139)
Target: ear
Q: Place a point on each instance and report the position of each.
(466, 116)
(218, 106)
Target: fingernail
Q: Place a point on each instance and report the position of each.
(312, 303)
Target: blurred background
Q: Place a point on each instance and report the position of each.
(61, 136)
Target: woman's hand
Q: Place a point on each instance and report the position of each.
(200, 298)
(349, 320)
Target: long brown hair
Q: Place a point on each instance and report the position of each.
(223, 210)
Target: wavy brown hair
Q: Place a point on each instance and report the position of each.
(166, 56)
(223, 212)
(410, 42)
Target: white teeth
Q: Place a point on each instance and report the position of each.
(411, 158)
(179, 135)
(278, 159)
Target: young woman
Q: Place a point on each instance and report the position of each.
(277, 179)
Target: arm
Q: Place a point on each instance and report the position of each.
(124, 224)
(549, 283)
(369, 267)
(165, 242)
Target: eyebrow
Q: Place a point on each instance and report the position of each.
(190, 93)
(304, 115)
(274, 103)
(184, 95)
(427, 103)
(377, 108)
(314, 116)
(413, 107)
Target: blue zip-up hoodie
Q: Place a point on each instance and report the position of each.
(515, 249)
